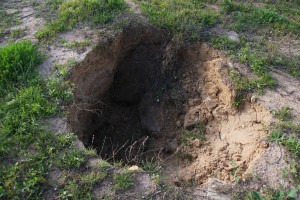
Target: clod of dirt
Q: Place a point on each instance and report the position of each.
(136, 98)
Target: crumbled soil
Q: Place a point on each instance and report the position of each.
(234, 138)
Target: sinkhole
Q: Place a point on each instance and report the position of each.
(142, 96)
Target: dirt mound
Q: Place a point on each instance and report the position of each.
(233, 138)
(137, 98)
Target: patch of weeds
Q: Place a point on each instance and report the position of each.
(223, 42)
(73, 12)
(150, 167)
(245, 17)
(123, 180)
(102, 164)
(293, 66)
(78, 44)
(59, 87)
(80, 185)
(118, 163)
(66, 139)
(284, 114)
(90, 152)
(258, 64)
(72, 159)
(73, 190)
(93, 177)
(288, 127)
(47, 9)
(197, 133)
(238, 101)
(60, 90)
(236, 172)
(17, 33)
(180, 16)
(291, 142)
(253, 195)
(7, 20)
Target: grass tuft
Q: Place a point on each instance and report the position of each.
(17, 63)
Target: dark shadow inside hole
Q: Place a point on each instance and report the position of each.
(130, 110)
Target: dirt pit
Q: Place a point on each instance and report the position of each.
(139, 97)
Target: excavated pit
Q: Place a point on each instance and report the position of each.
(139, 97)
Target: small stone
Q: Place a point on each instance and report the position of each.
(233, 36)
(134, 168)
(196, 143)
(253, 99)
(211, 104)
(230, 65)
(194, 156)
(178, 124)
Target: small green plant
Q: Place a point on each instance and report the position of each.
(90, 152)
(197, 133)
(253, 195)
(93, 177)
(224, 43)
(74, 190)
(236, 171)
(289, 141)
(123, 180)
(72, 159)
(78, 44)
(237, 101)
(150, 167)
(17, 33)
(59, 87)
(284, 114)
(102, 165)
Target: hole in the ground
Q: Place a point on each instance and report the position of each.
(140, 97)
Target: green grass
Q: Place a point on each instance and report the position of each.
(197, 133)
(284, 114)
(245, 17)
(17, 33)
(72, 13)
(17, 63)
(150, 167)
(247, 52)
(27, 151)
(180, 16)
(72, 159)
(286, 133)
(123, 180)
